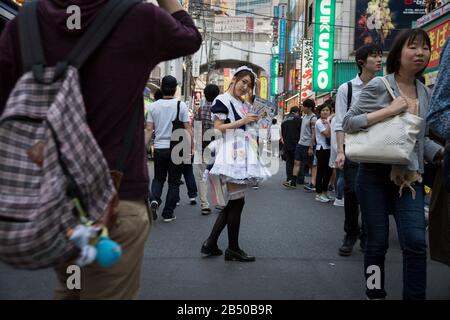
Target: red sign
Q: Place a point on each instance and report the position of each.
(438, 34)
(250, 24)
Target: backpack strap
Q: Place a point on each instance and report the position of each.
(31, 47)
(178, 111)
(349, 94)
(32, 53)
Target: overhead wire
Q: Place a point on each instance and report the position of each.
(287, 19)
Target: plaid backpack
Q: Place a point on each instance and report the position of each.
(51, 167)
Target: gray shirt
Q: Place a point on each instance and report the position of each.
(305, 131)
(374, 97)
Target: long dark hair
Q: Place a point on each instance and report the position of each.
(393, 59)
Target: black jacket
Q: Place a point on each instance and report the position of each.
(290, 130)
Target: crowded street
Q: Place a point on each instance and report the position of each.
(294, 238)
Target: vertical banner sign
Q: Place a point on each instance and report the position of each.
(274, 75)
(282, 32)
(306, 74)
(323, 45)
(263, 89)
(282, 41)
(275, 25)
(196, 64)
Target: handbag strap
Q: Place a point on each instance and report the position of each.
(349, 94)
(388, 87)
(391, 92)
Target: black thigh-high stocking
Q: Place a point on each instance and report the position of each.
(220, 223)
(233, 222)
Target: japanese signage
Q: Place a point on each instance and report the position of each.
(323, 45)
(306, 74)
(437, 25)
(282, 42)
(230, 24)
(275, 25)
(438, 34)
(379, 21)
(264, 87)
(250, 24)
(196, 64)
(274, 75)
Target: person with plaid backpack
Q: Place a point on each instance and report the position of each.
(72, 135)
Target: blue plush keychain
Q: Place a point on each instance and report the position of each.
(93, 247)
(108, 251)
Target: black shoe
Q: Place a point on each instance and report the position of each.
(290, 184)
(231, 255)
(215, 251)
(362, 242)
(347, 246)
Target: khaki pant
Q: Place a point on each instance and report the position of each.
(120, 281)
(199, 169)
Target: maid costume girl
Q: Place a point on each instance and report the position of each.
(237, 159)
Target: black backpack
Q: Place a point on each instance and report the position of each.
(176, 125)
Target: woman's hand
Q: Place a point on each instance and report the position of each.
(398, 105)
(249, 117)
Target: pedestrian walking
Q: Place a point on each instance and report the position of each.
(303, 157)
(290, 133)
(112, 89)
(274, 138)
(369, 61)
(338, 183)
(166, 116)
(202, 127)
(378, 184)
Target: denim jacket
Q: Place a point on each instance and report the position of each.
(375, 96)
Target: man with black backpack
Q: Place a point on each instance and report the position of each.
(97, 71)
(369, 61)
(166, 116)
(290, 134)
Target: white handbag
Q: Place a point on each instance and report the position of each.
(389, 142)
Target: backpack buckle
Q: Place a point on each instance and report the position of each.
(38, 72)
(60, 70)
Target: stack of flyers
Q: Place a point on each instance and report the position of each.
(263, 109)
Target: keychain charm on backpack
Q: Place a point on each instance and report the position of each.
(94, 247)
(93, 241)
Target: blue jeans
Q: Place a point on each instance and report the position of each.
(165, 168)
(189, 179)
(339, 184)
(378, 197)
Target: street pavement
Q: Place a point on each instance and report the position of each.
(294, 238)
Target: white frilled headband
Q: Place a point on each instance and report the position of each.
(244, 68)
